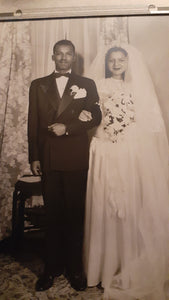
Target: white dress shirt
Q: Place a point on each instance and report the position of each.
(61, 83)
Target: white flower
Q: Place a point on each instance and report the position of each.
(77, 92)
(74, 89)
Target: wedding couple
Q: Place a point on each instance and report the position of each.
(124, 244)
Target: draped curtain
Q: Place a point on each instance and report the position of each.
(25, 54)
(15, 70)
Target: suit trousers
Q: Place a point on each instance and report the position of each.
(64, 199)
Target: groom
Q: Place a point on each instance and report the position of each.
(63, 106)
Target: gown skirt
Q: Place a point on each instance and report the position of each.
(126, 245)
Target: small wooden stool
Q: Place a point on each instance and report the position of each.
(26, 187)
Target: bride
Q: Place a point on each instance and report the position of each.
(127, 207)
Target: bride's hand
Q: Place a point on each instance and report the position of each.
(85, 116)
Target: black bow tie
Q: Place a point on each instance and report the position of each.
(57, 75)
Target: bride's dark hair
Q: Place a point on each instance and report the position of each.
(113, 49)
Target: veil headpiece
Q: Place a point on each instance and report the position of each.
(148, 113)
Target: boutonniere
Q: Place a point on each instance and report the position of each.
(77, 92)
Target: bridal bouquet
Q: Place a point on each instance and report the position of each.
(118, 112)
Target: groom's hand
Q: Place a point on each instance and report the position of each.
(36, 167)
(57, 128)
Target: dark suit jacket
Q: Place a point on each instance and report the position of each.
(67, 152)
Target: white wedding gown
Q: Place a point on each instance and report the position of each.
(127, 206)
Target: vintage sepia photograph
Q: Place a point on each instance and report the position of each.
(84, 158)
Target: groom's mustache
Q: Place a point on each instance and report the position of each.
(63, 60)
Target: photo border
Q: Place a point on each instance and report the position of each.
(76, 10)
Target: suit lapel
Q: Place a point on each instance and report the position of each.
(50, 89)
(59, 104)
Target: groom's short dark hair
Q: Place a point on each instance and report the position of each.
(63, 42)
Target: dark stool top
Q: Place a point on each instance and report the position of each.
(29, 185)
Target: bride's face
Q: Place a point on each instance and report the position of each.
(117, 64)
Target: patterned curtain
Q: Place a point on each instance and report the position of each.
(15, 67)
(19, 62)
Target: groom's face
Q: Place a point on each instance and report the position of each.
(63, 57)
